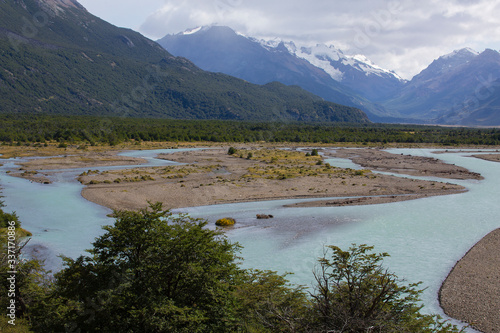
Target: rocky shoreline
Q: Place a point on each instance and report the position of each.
(471, 292)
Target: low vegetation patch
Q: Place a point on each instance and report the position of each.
(282, 164)
(142, 174)
(225, 222)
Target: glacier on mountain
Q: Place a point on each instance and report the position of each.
(330, 59)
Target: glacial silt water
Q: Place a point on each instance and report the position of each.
(424, 237)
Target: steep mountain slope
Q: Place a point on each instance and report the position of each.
(482, 109)
(57, 58)
(458, 88)
(220, 49)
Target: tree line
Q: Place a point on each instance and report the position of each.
(155, 272)
(31, 129)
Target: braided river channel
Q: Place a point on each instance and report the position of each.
(424, 237)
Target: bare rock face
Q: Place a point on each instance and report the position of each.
(57, 7)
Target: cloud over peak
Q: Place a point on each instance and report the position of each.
(402, 35)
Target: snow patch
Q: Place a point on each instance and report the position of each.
(326, 57)
(320, 56)
(331, 59)
(192, 31)
(463, 51)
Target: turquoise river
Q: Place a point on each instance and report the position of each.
(424, 237)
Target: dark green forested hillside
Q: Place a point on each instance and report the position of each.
(57, 58)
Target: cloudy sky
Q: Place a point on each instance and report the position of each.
(400, 35)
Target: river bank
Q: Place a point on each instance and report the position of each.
(471, 292)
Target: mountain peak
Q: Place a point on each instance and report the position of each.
(213, 29)
(466, 52)
(490, 53)
(447, 63)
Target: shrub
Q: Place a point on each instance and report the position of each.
(355, 293)
(231, 151)
(227, 221)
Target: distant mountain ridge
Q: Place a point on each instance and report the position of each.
(221, 49)
(57, 58)
(458, 88)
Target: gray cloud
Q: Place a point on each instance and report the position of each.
(401, 35)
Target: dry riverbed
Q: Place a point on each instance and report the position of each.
(489, 157)
(254, 173)
(471, 292)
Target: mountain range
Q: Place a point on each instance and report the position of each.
(220, 49)
(460, 88)
(57, 58)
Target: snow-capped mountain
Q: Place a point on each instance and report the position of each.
(331, 59)
(461, 87)
(446, 64)
(457, 88)
(340, 79)
(354, 71)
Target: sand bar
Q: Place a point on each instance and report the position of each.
(471, 292)
(40, 170)
(489, 157)
(376, 159)
(214, 177)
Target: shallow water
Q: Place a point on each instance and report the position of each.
(62, 222)
(424, 237)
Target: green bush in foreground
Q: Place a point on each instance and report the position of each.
(155, 272)
(355, 293)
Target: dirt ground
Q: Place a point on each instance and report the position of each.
(376, 159)
(212, 176)
(489, 157)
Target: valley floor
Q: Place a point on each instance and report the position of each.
(265, 172)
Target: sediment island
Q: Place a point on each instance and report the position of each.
(253, 173)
